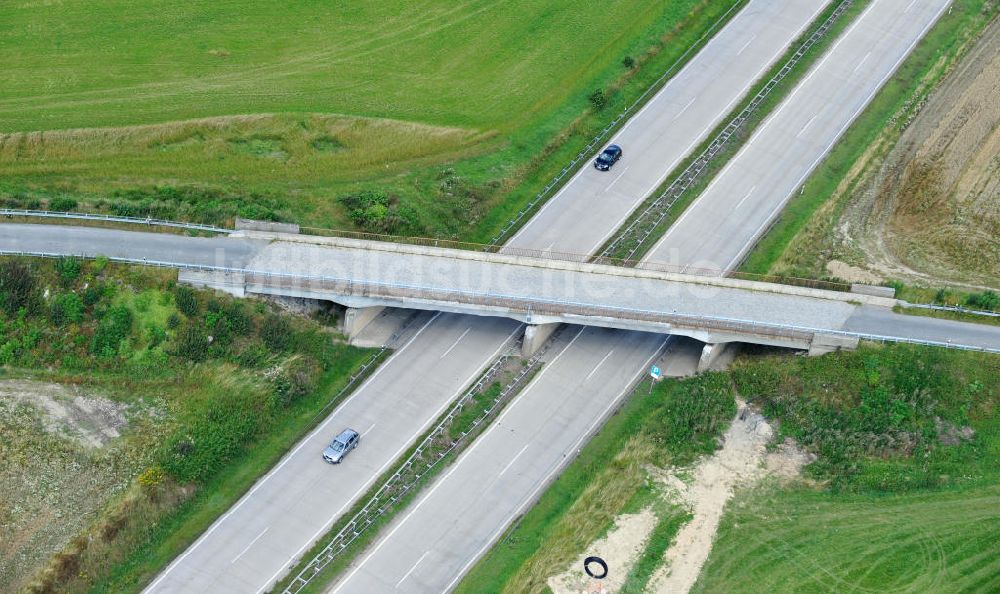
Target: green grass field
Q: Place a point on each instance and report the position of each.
(286, 107)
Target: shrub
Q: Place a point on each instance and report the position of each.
(68, 269)
(62, 204)
(114, 327)
(173, 321)
(987, 300)
(295, 379)
(186, 300)
(239, 320)
(276, 333)
(376, 212)
(598, 99)
(66, 308)
(18, 289)
(628, 62)
(92, 294)
(192, 343)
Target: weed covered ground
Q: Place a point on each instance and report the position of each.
(905, 493)
(133, 411)
(901, 451)
(210, 109)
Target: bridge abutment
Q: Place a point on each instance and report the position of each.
(535, 336)
(357, 318)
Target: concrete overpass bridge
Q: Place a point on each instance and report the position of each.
(367, 276)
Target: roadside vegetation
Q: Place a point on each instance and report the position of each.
(904, 493)
(293, 125)
(905, 196)
(187, 397)
(672, 426)
(902, 451)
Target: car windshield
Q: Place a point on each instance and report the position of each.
(604, 158)
(337, 446)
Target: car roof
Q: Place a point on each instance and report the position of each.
(346, 434)
(613, 147)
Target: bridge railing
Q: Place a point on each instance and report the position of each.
(88, 216)
(529, 307)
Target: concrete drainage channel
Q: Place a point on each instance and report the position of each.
(452, 434)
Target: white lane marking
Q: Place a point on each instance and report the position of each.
(545, 482)
(909, 6)
(614, 182)
(747, 44)
(455, 465)
(514, 459)
(862, 62)
(685, 108)
(836, 137)
(598, 366)
(452, 347)
(369, 430)
(551, 245)
(806, 127)
(322, 427)
(745, 198)
(699, 201)
(415, 565)
(368, 483)
(252, 542)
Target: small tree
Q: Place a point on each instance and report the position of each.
(598, 99)
(628, 62)
(276, 333)
(186, 300)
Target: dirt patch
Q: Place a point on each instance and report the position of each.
(851, 274)
(91, 420)
(60, 463)
(620, 549)
(931, 212)
(742, 460)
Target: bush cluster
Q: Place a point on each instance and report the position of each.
(376, 212)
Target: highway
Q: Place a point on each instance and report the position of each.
(219, 560)
(418, 556)
(753, 188)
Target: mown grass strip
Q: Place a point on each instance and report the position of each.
(652, 556)
(884, 120)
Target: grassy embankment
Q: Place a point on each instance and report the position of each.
(907, 484)
(208, 416)
(799, 243)
(440, 111)
(908, 450)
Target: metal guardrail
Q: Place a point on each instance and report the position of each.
(953, 308)
(647, 265)
(408, 474)
(527, 306)
(634, 237)
(591, 148)
(148, 222)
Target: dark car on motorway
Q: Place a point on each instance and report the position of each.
(608, 157)
(341, 446)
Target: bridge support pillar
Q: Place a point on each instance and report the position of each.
(356, 318)
(823, 344)
(710, 353)
(535, 336)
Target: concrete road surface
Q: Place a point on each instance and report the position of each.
(718, 230)
(417, 556)
(434, 542)
(594, 204)
(298, 500)
(751, 28)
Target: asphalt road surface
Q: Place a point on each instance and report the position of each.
(724, 223)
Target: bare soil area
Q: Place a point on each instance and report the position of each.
(60, 463)
(931, 212)
(741, 461)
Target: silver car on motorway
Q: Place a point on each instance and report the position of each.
(346, 441)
